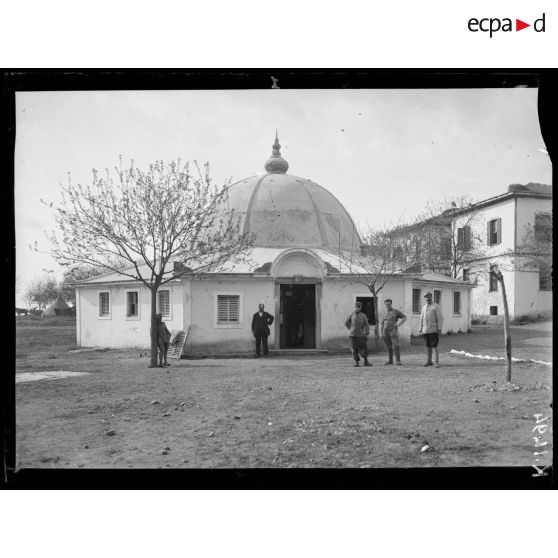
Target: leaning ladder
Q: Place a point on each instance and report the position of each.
(175, 350)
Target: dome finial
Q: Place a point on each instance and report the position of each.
(276, 163)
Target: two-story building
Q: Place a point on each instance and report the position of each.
(512, 231)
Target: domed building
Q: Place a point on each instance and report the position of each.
(299, 230)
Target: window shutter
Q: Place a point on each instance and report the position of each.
(467, 238)
(228, 307)
(499, 230)
(164, 302)
(488, 232)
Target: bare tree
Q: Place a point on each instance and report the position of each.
(67, 286)
(41, 291)
(373, 266)
(534, 252)
(445, 237)
(152, 220)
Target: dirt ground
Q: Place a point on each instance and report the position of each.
(310, 411)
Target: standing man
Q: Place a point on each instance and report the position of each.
(357, 324)
(260, 328)
(431, 321)
(391, 320)
(163, 338)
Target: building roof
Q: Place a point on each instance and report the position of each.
(531, 188)
(287, 211)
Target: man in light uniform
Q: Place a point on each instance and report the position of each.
(357, 324)
(391, 320)
(431, 321)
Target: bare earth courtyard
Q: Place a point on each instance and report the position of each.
(280, 412)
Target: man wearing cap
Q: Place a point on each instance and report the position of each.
(357, 324)
(260, 328)
(391, 320)
(431, 321)
(163, 338)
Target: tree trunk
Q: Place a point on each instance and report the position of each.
(153, 362)
(507, 334)
(376, 325)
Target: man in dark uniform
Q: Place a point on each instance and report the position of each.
(260, 328)
(163, 338)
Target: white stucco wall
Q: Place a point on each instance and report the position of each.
(117, 330)
(339, 296)
(454, 322)
(529, 299)
(206, 337)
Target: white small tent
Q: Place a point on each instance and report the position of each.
(57, 308)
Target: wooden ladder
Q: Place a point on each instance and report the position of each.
(175, 350)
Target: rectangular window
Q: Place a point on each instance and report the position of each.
(543, 228)
(494, 310)
(416, 301)
(545, 278)
(163, 303)
(494, 232)
(104, 305)
(446, 247)
(466, 274)
(437, 297)
(457, 302)
(492, 281)
(228, 309)
(464, 238)
(132, 306)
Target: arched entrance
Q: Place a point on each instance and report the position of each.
(298, 281)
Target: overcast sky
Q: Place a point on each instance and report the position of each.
(382, 153)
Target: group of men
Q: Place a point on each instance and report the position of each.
(431, 321)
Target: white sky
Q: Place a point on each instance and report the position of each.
(382, 153)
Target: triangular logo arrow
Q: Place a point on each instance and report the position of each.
(519, 25)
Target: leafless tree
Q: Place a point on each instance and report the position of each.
(373, 266)
(152, 219)
(41, 291)
(67, 286)
(445, 237)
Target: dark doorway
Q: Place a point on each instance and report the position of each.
(298, 313)
(368, 308)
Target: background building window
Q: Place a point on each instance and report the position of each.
(416, 301)
(437, 296)
(543, 228)
(446, 247)
(228, 307)
(397, 252)
(494, 310)
(464, 238)
(545, 278)
(494, 231)
(457, 302)
(163, 303)
(104, 305)
(492, 281)
(466, 274)
(132, 306)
